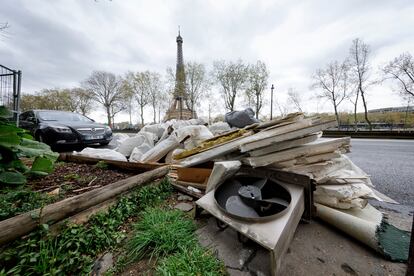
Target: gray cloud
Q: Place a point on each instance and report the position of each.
(58, 43)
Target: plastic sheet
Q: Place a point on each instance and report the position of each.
(241, 119)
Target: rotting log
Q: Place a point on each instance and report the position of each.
(22, 224)
(129, 166)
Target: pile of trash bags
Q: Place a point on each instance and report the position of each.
(157, 142)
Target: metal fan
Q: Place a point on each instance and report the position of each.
(252, 198)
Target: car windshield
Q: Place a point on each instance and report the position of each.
(62, 116)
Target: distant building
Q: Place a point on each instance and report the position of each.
(392, 109)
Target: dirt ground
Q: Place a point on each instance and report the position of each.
(71, 177)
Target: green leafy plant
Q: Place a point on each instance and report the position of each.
(21, 200)
(101, 165)
(16, 143)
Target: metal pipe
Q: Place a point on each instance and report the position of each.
(271, 102)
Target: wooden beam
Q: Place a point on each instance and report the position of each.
(129, 166)
(276, 135)
(324, 146)
(22, 224)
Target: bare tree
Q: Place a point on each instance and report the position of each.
(139, 84)
(401, 69)
(333, 83)
(258, 76)
(84, 100)
(231, 76)
(359, 55)
(106, 89)
(295, 99)
(154, 92)
(128, 99)
(197, 82)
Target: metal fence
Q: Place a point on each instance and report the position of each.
(10, 83)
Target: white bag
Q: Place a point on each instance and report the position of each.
(129, 144)
(107, 154)
(161, 149)
(138, 152)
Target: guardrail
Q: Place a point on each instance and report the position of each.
(375, 134)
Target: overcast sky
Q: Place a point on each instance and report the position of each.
(59, 43)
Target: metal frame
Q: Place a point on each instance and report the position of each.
(10, 86)
(274, 235)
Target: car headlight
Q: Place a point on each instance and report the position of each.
(61, 129)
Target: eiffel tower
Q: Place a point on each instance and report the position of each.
(179, 108)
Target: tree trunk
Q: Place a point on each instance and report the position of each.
(108, 114)
(337, 115)
(142, 115)
(20, 225)
(155, 113)
(355, 111)
(365, 109)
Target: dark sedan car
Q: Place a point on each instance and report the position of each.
(64, 128)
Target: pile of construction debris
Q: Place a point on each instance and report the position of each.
(293, 144)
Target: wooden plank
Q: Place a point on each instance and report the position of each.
(197, 175)
(186, 191)
(129, 166)
(199, 186)
(276, 136)
(22, 224)
(293, 117)
(322, 146)
(284, 145)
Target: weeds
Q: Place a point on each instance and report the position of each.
(169, 236)
(101, 165)
(20, 200)
(191, 261)
(160, 232)
(74, 249)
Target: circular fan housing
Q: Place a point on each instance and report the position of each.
(252, 198)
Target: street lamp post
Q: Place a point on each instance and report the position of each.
(271, 102)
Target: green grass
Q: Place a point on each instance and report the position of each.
(169, 236)
(191, 261)
(161, 232)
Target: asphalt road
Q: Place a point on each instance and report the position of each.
(390, 164)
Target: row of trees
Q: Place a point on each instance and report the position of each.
(351, 78)
(138, 90)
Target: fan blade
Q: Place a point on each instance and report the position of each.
(274, 203)
(276, 200)
(259, 183)
(231, 188)
(236, 206)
